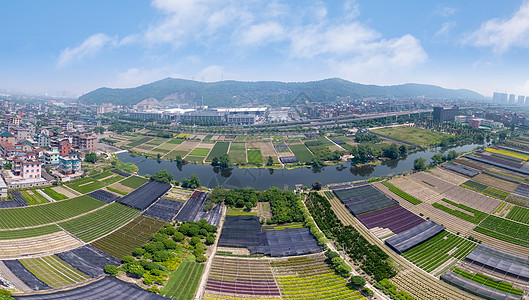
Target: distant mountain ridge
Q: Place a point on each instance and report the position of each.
(235, 93)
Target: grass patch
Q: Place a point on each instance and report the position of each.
(53, 194)
(116, 191)
(419, 136)
(200, 152)
(219, 149)
(301, 152)
(193, 158)
(237, 156)
(255, 157)
(133, 182)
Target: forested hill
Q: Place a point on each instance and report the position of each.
(234, 93)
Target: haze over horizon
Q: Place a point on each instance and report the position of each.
(79, 47)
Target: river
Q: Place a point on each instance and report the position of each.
(261, 179)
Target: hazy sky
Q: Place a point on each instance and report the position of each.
(78, 46)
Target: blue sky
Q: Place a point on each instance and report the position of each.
(78, 46)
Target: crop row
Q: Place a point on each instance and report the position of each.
(219, 149)
(485, 280)
(500, 236)
(28, 232)
(53, 271)
(100, 222)
(519, 214)
(122, 241)
(439, 249)
(508, 227)
(476, 218)
(508, 153)
(401, 193)
(486, 190)
(184, 281)
(48, 213)
(54, 194)
(33, 197)
(301, 152)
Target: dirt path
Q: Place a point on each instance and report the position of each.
(21, 286)
(202, 286)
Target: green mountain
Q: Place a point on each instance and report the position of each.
(234, 93)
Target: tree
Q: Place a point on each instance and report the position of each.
(215, 161)
(418, 164)
(178, 159)
(163, 176)
(5, 295)
(111, 270)
(192, 182)
(403, 149)
(90, 157)
(8, 165)
(270, 161)
(437, 159)
(224, 161)
(99, 129)
(358, 281)
(136, 270)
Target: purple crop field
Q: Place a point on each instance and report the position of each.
(244, 287)
(396, 218)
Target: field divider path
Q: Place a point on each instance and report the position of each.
(204, 279)
(335, 143)
(70, 234)
(45, 195)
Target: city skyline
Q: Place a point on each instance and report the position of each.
(78, 47)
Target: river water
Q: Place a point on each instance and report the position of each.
(261, 179)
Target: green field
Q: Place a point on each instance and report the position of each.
(184, 281)
(34, 198)
(28, 232)
(255, 157)
(173, 154)
(122, 241)
(156, 141)
(506, 227)
(475, 215)
(439, 249)
(401, 193)
(301, 152)
(160, 150)
(519, 214)
(502, 237)
(237, 153)
(485, 189)
(117, 191)
(53, 194)
(134, 182)
(200, 152)
(175, 141)
(419, 136)
(219, 149)
(100, 222)
(90, 184)
(490, 282)
(53, 271)
(193, 158)
(138, 141)
(48, 213)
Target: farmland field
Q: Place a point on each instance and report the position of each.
(124, 240)
(54, 271)
(310, 278)
(47, 213)
(193, 158)
(237, 153)
(506, 227)
(419, 136)
(519, 214)
(490, 282)
(134, 182)
(508, 153)
(255, 157)
(100, 222)
(301, 152)
(28, 232)
(475, 215)
(33, 197)
(175, 141)
(219, 149)
(173, 154)
(486, 190)
(54, 194)
(184, 281)
(90, 184)
(401, 193)
(200, 152)
(439, 249)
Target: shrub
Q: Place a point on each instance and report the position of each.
(138, 252)
(111, 270)
(127, 259)
(358, 281)
(136, 270)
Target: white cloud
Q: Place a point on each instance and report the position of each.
(136, 76)
(445, 30)
(382, 61)
(88, 48)
(211, 73)
(503, 34)
(445, 11)
(263, 33)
